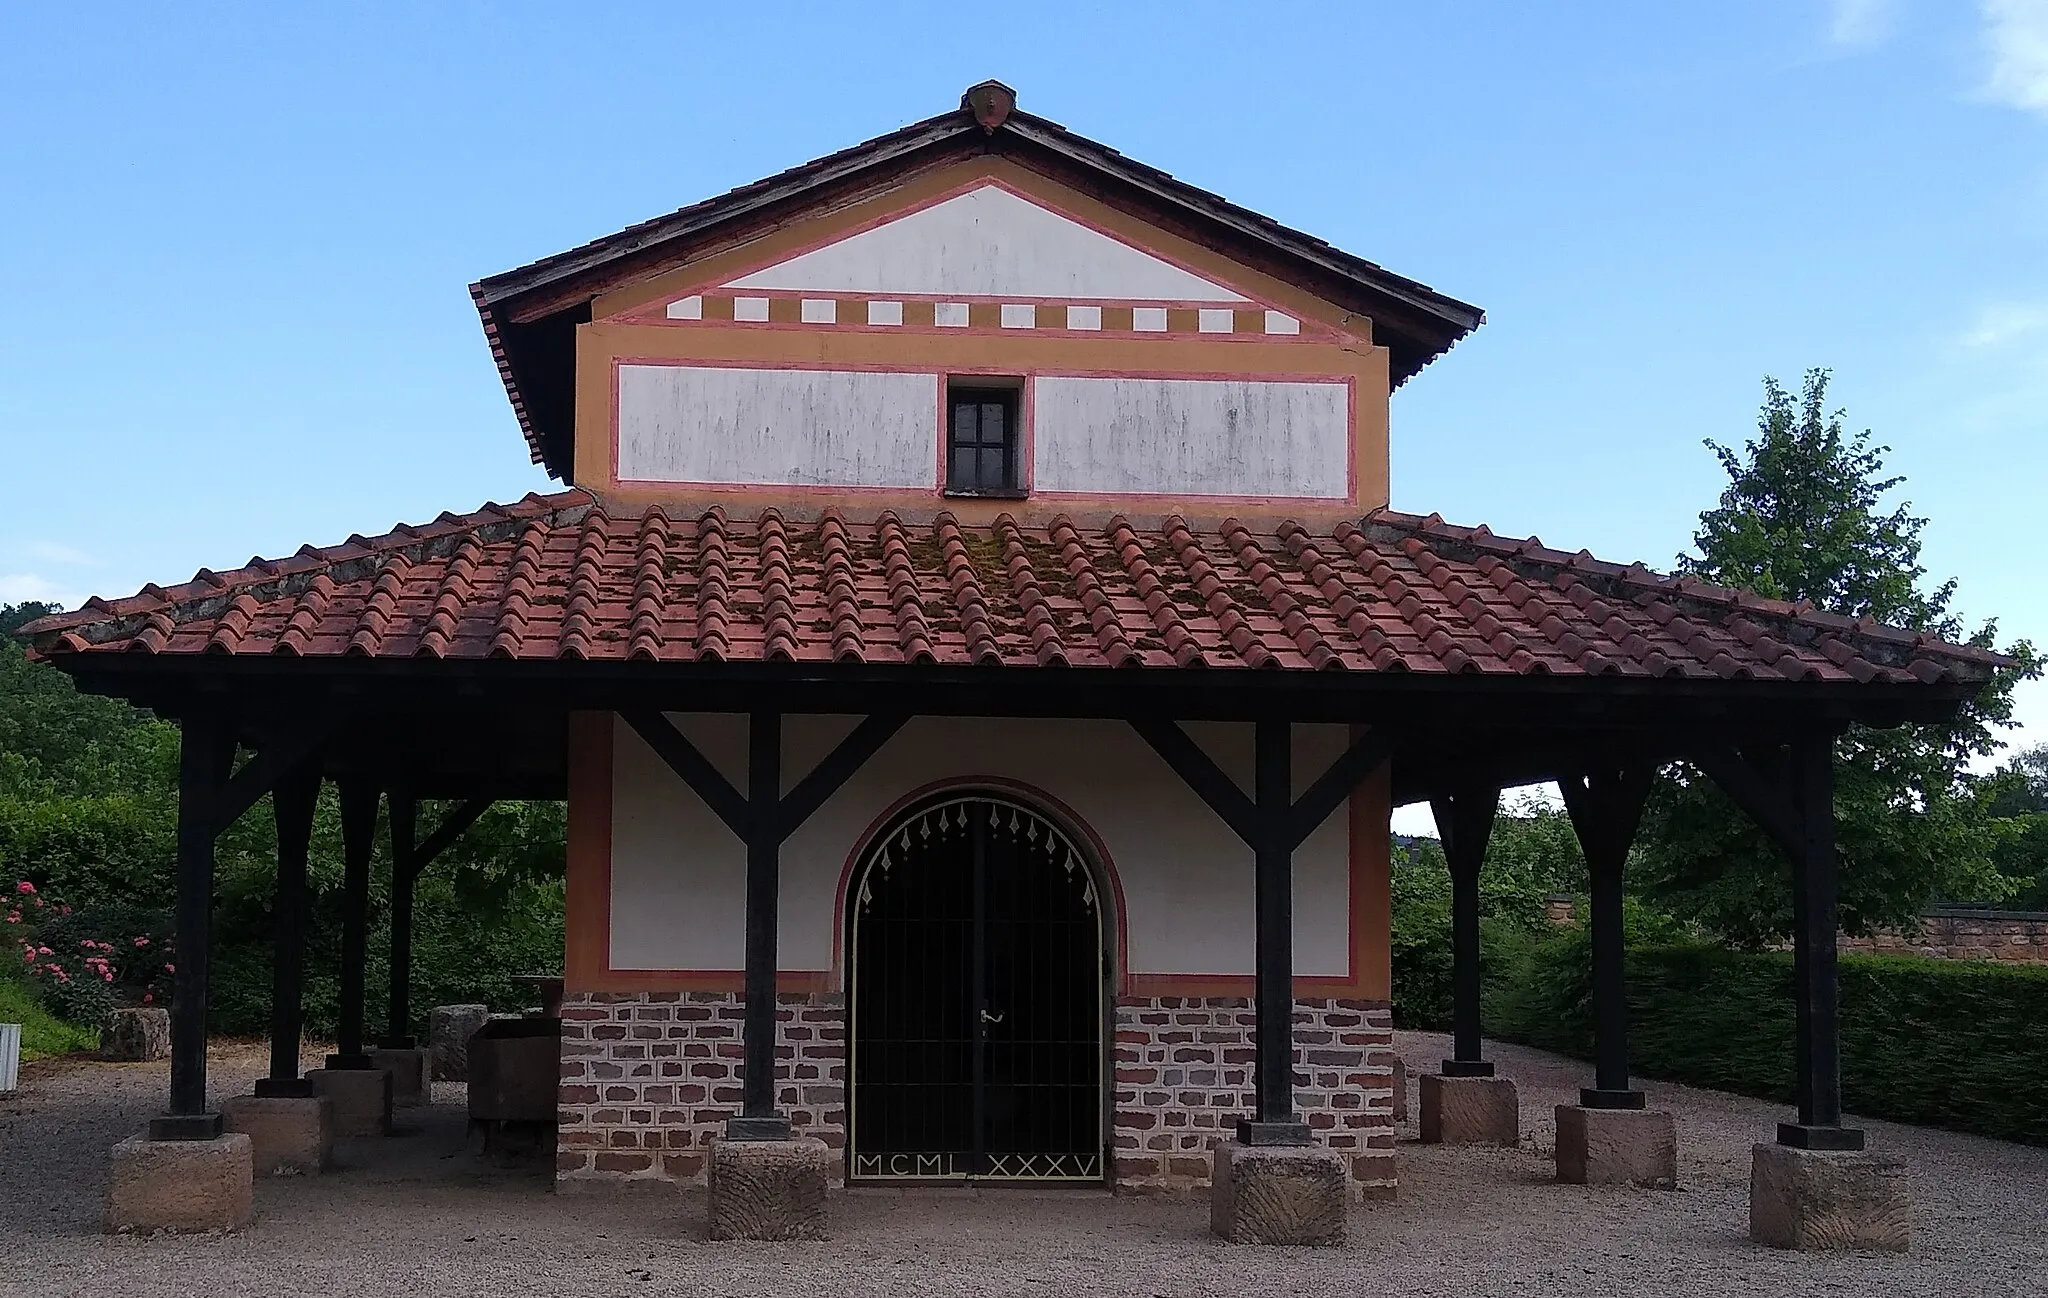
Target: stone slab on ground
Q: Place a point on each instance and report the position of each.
(362, 1099)
(288, 1135)
(768, 1189)
(136, 1035)
(1617, 1147)
(1277, 1194)
(1815, 1199)
(449, 1028)
(1469, 1110)
(408, 1069)
(181, 1185)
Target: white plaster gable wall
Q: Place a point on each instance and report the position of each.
(987, 242)
(1191, 437)
(679, 878)
(698, 423)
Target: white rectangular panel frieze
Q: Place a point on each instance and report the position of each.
(773, 427)
(1192, 437)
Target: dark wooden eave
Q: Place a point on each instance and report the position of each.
(530, 314)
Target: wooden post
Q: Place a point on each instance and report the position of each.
(1605, 810)
(758, 1118)
(358, 838)
(1275, 1122)
(293, 801)
(1816, 979)
(1464, 823)
(762, 820)
(205, 751)
(405, 867)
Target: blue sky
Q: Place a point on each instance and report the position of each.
(234, 244)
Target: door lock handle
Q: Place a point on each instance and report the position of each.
(987, 1017)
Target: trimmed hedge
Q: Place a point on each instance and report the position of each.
(1955, 1044)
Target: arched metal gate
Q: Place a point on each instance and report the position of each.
(976, 979)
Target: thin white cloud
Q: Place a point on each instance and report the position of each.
(21, 587)
(1861, 23)
(2001, 322)
(52, 552)
(2016, 35)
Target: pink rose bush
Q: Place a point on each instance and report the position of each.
(86, 962)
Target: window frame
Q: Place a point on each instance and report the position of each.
(984, 389)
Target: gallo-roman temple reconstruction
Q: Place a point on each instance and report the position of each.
(980, 664)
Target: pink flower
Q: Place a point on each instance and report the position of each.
(141, 942)
(106, 975)
(24, 887)
(14, 917)
(147, 997)
(43, 950)
(63, 910)
(39, 903)
(170, 968)
(88, 944)
(28, 953)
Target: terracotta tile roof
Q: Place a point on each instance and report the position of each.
(559, 576)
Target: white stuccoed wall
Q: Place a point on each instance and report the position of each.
(987, 242)
(1191, 437)
(679, 878)
(835, 428)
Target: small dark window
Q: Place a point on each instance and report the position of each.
(981, 441)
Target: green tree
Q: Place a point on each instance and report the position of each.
(2017, 798)
(1803, 517)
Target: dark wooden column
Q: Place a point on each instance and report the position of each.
(1605, 808)
(358, 839)
(1272, 822)
(293, 801)
(1273, 954)
(404, 812)
(1789, 790)
(205, 753)
(762, 819)
(1464, 823)
(1818, 984)
(759, 1118)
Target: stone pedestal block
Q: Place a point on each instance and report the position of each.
(362, 1099)
(181, 1185)
(1617, 1147)
(1400, 1090)
(136, 1035)
(1829, 1199)
(1277, 1194)
(1469, 1110)
(287, 1135)
(449, 1028)
(768, 1189)
(408, 1069)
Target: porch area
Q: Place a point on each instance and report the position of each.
(415, 1212)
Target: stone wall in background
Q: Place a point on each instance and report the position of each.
(1959, 934)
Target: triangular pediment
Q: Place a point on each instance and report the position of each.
(987, 242)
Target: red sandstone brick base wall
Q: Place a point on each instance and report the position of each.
(648, 1078)
(1184, 1078)
(1950, 935)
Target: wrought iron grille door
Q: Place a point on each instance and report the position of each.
(976, 981)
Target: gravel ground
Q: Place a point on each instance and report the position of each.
(416, 1214)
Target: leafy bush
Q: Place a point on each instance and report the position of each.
(42, 1033)
(1944, 1043)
